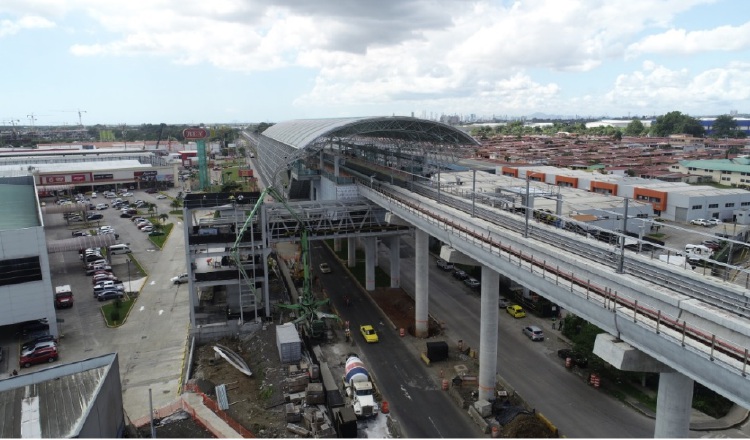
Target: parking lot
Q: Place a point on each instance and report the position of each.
(151, 343)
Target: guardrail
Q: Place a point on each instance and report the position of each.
(734, 357)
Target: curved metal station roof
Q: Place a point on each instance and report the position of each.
(304, 133)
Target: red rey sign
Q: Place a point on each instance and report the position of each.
(194, 133)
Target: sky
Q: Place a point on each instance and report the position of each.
(236, 61)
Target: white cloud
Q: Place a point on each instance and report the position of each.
(486, 55)
(10, 27)
(657, 89)
(681, 41)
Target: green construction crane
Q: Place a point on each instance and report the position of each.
(308, 308)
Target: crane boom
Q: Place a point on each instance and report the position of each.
(158, 139)
(307, 306)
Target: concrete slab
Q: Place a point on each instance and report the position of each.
(624, 356)
(451, 255)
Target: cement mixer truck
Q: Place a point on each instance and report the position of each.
(360, 392)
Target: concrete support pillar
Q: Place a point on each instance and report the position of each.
(370, 262)
(337, 245)
(335, 165)
(394, 244)
(673, 406)
(421, 283)
(675, 397)
(351, 252)
(488, 325)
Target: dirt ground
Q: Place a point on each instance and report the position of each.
(257, 402)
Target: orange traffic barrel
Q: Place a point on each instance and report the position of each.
(384, 407)
(402, 332)
(445, 384)
(495, 431)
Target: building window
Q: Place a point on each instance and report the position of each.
(745, 204)
(20, 270)
(697, 207)
(713, 206)
(729, 205)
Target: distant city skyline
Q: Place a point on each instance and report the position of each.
(185, 61)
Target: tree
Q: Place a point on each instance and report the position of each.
(163, 218)
(677, 123)
(724, 126)
(634, 128)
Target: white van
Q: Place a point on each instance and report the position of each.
(698, 249)
(117, 249)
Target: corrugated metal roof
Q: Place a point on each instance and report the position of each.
(717, 165)
(303, 132)
(76, 243)
(54, 406)
(299, 133)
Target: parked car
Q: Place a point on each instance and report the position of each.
(515, 311)
(714, 222)
(102, 206)
(81, 234)
(108, 285)
(98, 267)
(161, 196)
(325, 268)
(460, 274)
(156, 233)
(39, 345)
(147, 228)
(93, 257)
(94, 217)
(179, 279)
(700, 222)
(96, 278)
(45, 354)
(102, 272)
(472, 283)
(369, 333)
(444, 264)
(151, 191)
(533, 332)
(110, 294)
(125, 215)
(503, 302)
(36, 341)
(576, 358)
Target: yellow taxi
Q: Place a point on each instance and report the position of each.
(369, 333)
(515, 311)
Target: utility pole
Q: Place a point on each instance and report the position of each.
(32, 118)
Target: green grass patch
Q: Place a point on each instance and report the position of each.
(117, 311)
(136, 270)
(159, 240)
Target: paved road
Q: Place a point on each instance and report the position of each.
(152, 343)
(532, 368)
(422, 408)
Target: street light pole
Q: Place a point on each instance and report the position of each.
(130, 290)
